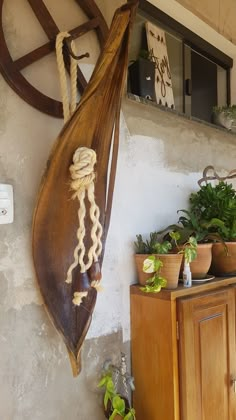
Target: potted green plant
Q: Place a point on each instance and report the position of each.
(218, 203)
(116, 407)
(163, 251)
(164, 273)
(224, 116)
(205, 232)
(142, 76)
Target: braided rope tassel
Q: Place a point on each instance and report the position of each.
(82, 174)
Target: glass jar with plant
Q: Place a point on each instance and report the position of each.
(116, 407)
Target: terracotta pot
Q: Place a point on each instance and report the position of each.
(224, 264)
(170, 270)
(201, 265)
(142, 277)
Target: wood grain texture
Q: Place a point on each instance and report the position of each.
(185, 291)
(55, 219)
(183, 352)
(207, 356)
(154, 358)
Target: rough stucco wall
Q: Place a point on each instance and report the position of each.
(218, 14)
(161, 157)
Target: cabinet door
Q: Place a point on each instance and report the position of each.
(207, 356)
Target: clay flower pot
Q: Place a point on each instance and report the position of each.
(170, 270)
(142, 277)
(201, 265)
(224, 264)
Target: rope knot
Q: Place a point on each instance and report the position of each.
(82, 169)
(83, 175)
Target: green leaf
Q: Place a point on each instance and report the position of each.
(106, 399)
(175, 235)
(152, 264)
(128, 416)
(110, 385)
(102, 382)
(113, 415)
(118, 403)
(162, 248)
(192, 241)
(149, 264)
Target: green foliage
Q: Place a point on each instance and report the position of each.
(182, 236)
(118, 405)
(189, 250)
(162, 247)
(146, 247)
(145, 54)
(202, 230)
(227, 110)
(151, 245)
(215, 208)
(153, 266)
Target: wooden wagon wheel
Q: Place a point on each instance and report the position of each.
(11, 70)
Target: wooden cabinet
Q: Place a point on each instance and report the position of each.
(184, 353)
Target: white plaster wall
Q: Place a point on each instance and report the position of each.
(161, 157)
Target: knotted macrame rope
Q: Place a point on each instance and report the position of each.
(83, 176)
(68, 108)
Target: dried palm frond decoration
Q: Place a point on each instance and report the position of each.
(93, 125)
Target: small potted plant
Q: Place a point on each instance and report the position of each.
(224, 116)
(204, 231)
(170, 261)
(218, 204)
(164, 273)
(142, 76)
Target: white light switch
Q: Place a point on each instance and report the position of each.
(6, 204)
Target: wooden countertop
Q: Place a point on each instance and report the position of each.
(182, 291)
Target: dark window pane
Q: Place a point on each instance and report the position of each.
(204, 86)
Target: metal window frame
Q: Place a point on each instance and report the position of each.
(192, 40)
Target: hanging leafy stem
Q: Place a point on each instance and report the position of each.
(153, 265)
(117, 403)
(189, 248)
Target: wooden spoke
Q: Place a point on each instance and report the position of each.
(11, 69)
(44, 18)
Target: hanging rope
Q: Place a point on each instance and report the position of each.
(82, 175)
(68, 108)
